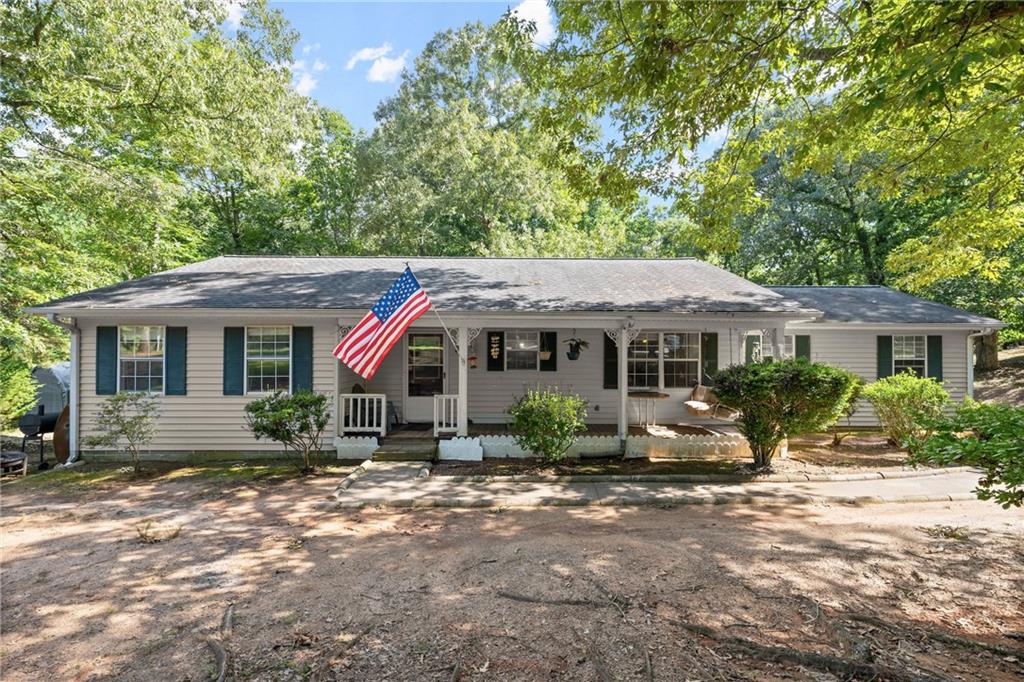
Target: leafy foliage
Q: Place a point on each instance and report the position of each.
(128, 418)
(905, 404)
(848, 410)
(547, 421)
(925, 98)
(985, 436)
(295, 420)
(17, 389)
(781, 399)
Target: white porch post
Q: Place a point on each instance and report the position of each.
(778, 342)
(622, 345)
(463, 407)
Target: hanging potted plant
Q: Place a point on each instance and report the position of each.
(575, 344)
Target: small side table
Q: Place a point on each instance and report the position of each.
(646, 406)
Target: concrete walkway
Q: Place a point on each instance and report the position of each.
(406, 484)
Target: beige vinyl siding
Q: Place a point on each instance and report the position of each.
(856, 350)
(206, 419)
(491, 393)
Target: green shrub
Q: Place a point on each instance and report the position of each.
(778, 400)
(847, 411)
(17, 391)
(295, 420)
(546, 422)
(986, 436)
(127, 417)
(904, 403)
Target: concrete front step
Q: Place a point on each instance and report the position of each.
(405, 451)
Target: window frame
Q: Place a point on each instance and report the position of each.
(245, 358)
(506, 351)
(924, 358)
(787, 340)
(163, 359)
(661, 362)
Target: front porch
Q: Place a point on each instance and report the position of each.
(455, 385)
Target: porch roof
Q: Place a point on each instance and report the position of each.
(547, 285)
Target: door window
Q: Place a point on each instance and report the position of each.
(426, 365)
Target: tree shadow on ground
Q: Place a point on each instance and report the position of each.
(516, 594)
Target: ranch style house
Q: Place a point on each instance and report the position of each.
(634, 337)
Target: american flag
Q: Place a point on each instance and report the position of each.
(366, 346)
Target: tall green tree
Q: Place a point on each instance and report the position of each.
(931, 91)
(454, 165)
(108, 109)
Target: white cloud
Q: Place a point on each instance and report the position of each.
(305, 84)
(367, 54)
(235, 12)
(318, 66)
(306, 49)
(386, 69)
(539, 13)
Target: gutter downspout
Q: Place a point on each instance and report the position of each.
(970, 358)
(73, 329)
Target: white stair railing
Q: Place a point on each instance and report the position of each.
(446, 414)
(363, 413)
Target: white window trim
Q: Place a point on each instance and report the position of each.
(924, 373)
(505, 351)
(661, 362)
(245, 360)
(765, 342)
(163, 357)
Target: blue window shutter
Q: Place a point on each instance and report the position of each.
(234, 360)
(708, 357)
(302, 359)
(549, 342)
(802, 343)
(749, 345)
(106, 360)
(884, 356)
(175, 360)
(935, 357)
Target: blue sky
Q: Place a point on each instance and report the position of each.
(351, 54)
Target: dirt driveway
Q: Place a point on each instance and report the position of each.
(698, 593)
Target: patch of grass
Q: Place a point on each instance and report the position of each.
(101, 475)
(68, 478)
(958, 533)
(150, 535)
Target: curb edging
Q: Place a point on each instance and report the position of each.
(649, 501)
(698, 478)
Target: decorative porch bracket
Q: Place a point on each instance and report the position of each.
(628, 332)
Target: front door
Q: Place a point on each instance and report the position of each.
(424, 374)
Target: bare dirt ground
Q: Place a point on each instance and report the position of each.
(1006, 384)
(900, 592)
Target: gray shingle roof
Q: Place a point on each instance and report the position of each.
(878, 305)
(454, 284)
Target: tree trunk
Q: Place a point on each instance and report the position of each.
(986, 352)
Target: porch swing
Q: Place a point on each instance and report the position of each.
(704, 403)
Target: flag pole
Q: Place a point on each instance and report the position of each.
(447, 331)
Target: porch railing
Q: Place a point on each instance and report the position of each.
(446, 414)
(363, 413)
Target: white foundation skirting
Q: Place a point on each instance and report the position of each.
(355, 447)
(505, 446)
(688, 446)
(463, 449)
